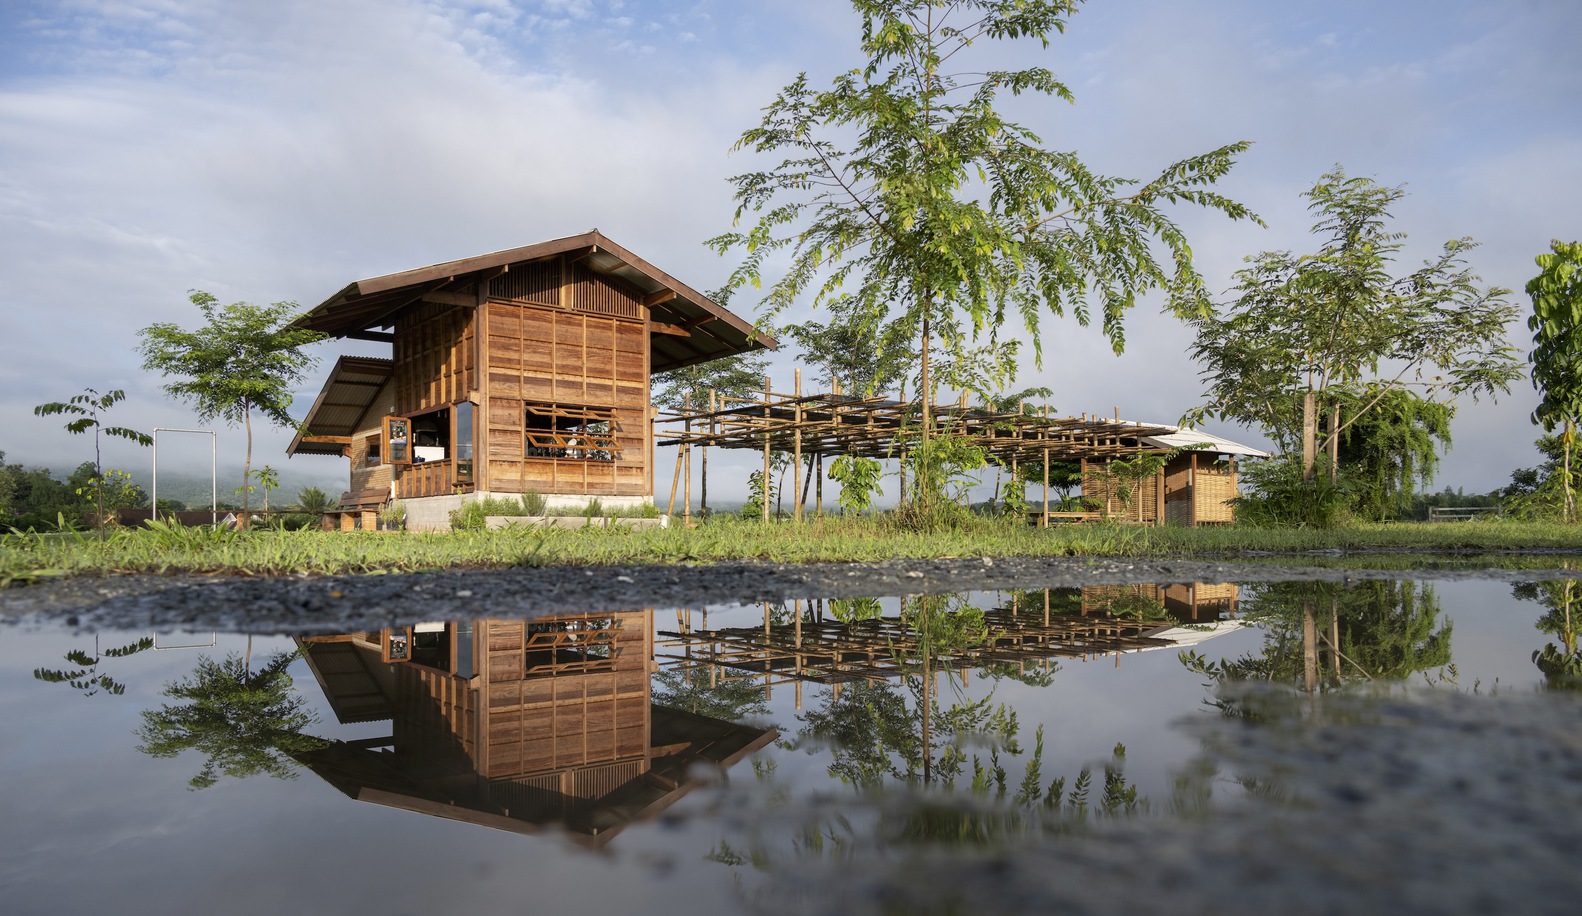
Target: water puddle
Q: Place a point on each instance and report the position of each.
(968, 751)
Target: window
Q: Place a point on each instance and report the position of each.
(371, 446)
(578, 433)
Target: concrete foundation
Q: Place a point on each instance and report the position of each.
(432, 513)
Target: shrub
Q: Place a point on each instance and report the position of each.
(1278, 497)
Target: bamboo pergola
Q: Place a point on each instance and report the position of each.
(826, 651)
(877, 427)
(835, 423)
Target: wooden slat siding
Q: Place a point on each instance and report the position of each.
(533, 282)
(604, 295)
(435, 710)
(568, 359)
(535, 723)
(433, 358)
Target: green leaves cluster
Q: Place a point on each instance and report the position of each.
(1556, 324)
(907, 198)
(1336, 323)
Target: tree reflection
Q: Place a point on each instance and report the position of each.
(730, 699)
(1327, 634)
(244, 722)
(1562, 601)
(84, 675)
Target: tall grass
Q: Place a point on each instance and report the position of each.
(171, 549)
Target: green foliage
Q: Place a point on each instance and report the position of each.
(533, 503)
(859, 480)
(88, 409)
(1389, 629)
(1325, 322)
(314, 500)
(1561, 599)
(855, 348)
(473, 515)
(1391, 449)
(1556, 324)
(393, 516)
(903, 187)
(243, 358)
(243, 722)
(1274, 495)
(85, 675)
(759, 491)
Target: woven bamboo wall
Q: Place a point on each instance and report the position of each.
(1210, 492)
(1144, 504)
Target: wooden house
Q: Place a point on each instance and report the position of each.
(1193, 487)
(516, 371)
(516, 725)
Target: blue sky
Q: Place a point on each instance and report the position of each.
(278, 150)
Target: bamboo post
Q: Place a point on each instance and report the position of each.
(1044, 522)
(675, 484)
(796, 449)
(1309, 648)
(766, 471)
(686, 505)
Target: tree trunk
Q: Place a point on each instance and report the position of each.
(927, 391)
(247, 464)
(1309, 433)
(1334, 444)
(703, 485)
(1309, 648)
(1570, 509)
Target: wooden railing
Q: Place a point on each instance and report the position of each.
(1461, 513)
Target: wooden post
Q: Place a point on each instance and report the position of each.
(1044, 522)
(703, 473)
(1309, 648)
(766, 473)
(796, 449)
(686, 425)
(1193, 489)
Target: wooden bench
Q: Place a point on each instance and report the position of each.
(1063, 518)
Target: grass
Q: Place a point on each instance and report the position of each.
(174, 550)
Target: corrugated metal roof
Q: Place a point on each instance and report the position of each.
(342, 407)
(1184, 437)
(715, 331)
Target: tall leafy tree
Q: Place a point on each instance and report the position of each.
(1309, 331)
(244, 358)
(1556, 324)
(88, 411)
(906, 189)
(854, 347)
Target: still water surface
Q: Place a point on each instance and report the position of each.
(675, 760)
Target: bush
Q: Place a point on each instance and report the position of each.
(1276, 496)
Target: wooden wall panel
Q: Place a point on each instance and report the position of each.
(568, 358)
(434, 357)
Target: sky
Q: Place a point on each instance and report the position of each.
(275, 150)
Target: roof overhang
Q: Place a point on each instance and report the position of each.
(338, 412)
(688, 327)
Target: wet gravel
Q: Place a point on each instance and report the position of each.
(297, 604)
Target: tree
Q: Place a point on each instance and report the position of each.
(243, 722)
(1310, 331)
(855, 348)
(245, 357)
(1556, 324)
(737, 376)
(905, 190)
(88, 408)
(1392, 448)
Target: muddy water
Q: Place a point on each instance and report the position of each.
(1207, 748)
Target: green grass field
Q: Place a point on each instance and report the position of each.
(198, 551)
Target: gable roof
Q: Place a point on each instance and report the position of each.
(701, 328)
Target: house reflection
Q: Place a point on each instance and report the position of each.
(517, 725)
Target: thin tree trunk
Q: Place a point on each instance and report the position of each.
(1334, 444)
(1309, 433)
(247, 464)
(1570, 499)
